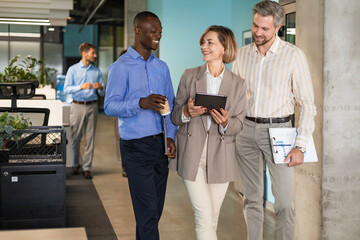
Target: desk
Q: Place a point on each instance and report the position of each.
(49, 92)
(55, 106)
(66, 123)
(45, 234)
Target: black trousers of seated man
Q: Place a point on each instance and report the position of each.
(147, 170)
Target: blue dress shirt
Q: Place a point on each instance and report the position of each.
(129, 79)
(77, 75)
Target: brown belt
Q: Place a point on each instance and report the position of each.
(85, 102)
(270, 120)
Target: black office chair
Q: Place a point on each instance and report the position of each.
(37, 116)
(24, 90)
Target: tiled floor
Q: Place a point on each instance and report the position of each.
(177, 222)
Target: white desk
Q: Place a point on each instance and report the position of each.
(55, 106)
(49, 92)
(66, 122)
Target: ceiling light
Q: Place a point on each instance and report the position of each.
(25, 21)
(12, 34)
(51, 29)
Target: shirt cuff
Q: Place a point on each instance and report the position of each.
(223, 129)
(184, 118)
(301, 142)
(133, 107)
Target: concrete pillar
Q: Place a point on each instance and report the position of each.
(328, 193)
(308, 177)
(131, 8)
(341, 130)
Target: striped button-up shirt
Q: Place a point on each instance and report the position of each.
(275, 81)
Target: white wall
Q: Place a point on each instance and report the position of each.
(184, 21)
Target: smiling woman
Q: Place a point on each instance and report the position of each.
(206, 151)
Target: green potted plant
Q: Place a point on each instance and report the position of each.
(29, 69)
(8, 124)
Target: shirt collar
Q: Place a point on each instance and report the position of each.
(83, 65)
(134, 54)
(274, 47)
(221, 74)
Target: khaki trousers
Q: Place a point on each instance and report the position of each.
(206, 200)
(83, 118)
(252, 148)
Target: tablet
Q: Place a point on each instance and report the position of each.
(210, 101)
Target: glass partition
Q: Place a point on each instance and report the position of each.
(290, 26)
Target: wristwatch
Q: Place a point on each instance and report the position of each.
(302, 149)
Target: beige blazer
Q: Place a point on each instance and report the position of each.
(190, 138)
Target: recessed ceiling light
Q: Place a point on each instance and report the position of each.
(25, 20)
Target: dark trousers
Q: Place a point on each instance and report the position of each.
(147, 170)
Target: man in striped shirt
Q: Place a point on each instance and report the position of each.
(277, 76)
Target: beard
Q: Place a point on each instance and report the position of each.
(261, 42)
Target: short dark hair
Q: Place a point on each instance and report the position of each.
(227, 40)
(85, 47)
(270, 8)
(142, 16)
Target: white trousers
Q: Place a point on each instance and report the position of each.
(206, 200)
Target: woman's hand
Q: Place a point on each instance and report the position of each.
(220, 118)
(190, 110)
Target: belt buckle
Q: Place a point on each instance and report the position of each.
(260, 120)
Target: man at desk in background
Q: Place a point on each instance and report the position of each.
(84, 81)
(138, 85)
(276, 74)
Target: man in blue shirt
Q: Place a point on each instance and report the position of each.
(84, 81)
(138, 85)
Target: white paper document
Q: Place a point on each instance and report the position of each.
(283, 140)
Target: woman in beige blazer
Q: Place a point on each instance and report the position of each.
(205, 143)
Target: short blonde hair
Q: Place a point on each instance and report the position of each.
(227, 40)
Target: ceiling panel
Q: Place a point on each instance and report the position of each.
(56, 11)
